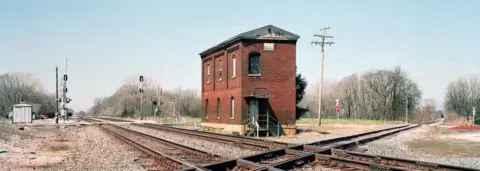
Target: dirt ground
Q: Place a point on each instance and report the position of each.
(311, 132)
(431, 143)
(444, 142)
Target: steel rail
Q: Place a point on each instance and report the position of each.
(184, 149)
(166, 161)
(331, 141)
(252, 143)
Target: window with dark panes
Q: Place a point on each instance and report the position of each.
(254, 63)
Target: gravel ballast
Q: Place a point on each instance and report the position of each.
(225, 150)
(96, 150)
(397, 146)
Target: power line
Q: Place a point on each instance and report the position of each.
(38, 73)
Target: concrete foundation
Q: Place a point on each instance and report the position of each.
(289, 130)
(222, 128)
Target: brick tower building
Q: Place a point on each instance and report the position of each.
(250, 79)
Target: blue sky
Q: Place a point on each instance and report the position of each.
(106, 41)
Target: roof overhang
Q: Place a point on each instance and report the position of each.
(253, 96)
(256, 34)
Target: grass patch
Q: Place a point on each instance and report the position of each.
(446, 147)
(445, 132)
(346, 121)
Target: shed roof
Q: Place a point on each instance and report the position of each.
(22, 105)
(268, 32)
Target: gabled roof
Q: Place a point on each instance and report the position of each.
(268, 32)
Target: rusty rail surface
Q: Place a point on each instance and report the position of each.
(179, 152)
(246, 142)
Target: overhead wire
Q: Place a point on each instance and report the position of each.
(37, 73)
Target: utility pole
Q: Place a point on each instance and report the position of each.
(56, 95)
(406, 112)
(322, 44)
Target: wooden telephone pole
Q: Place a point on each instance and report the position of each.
(322, 44)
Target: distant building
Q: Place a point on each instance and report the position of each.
(250, 77)
(22, 113)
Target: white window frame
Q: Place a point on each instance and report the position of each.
(234, 66)
(208, 73)
(232, 108)
(220, 70)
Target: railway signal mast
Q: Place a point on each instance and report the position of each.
(142, 90)
(64, 100)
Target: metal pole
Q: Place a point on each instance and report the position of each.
(406, 112)
(141, 104)
(56, 95)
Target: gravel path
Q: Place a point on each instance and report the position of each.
(220, 149)
(396, 146)
(65, 149)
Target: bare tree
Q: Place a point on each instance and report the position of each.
(377, 94)
(126, 101)
(462, 95)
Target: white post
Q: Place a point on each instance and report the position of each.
(473, 115)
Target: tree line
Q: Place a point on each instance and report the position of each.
(462, 95)
(22, 87)
(126, 101)
(377, 94)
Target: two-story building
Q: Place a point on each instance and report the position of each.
(248, 79)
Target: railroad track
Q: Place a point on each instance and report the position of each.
(395, 162)
(89, 119)
(172, 156)
(245, 142)
(351, 142)
(114, 119)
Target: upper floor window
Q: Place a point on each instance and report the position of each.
(254, 63)
(208, 73)
(219, 70)
(234, 66)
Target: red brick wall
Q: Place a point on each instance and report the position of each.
(224, 89)
(277, 69)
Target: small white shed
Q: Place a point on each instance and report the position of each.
(22, 113)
